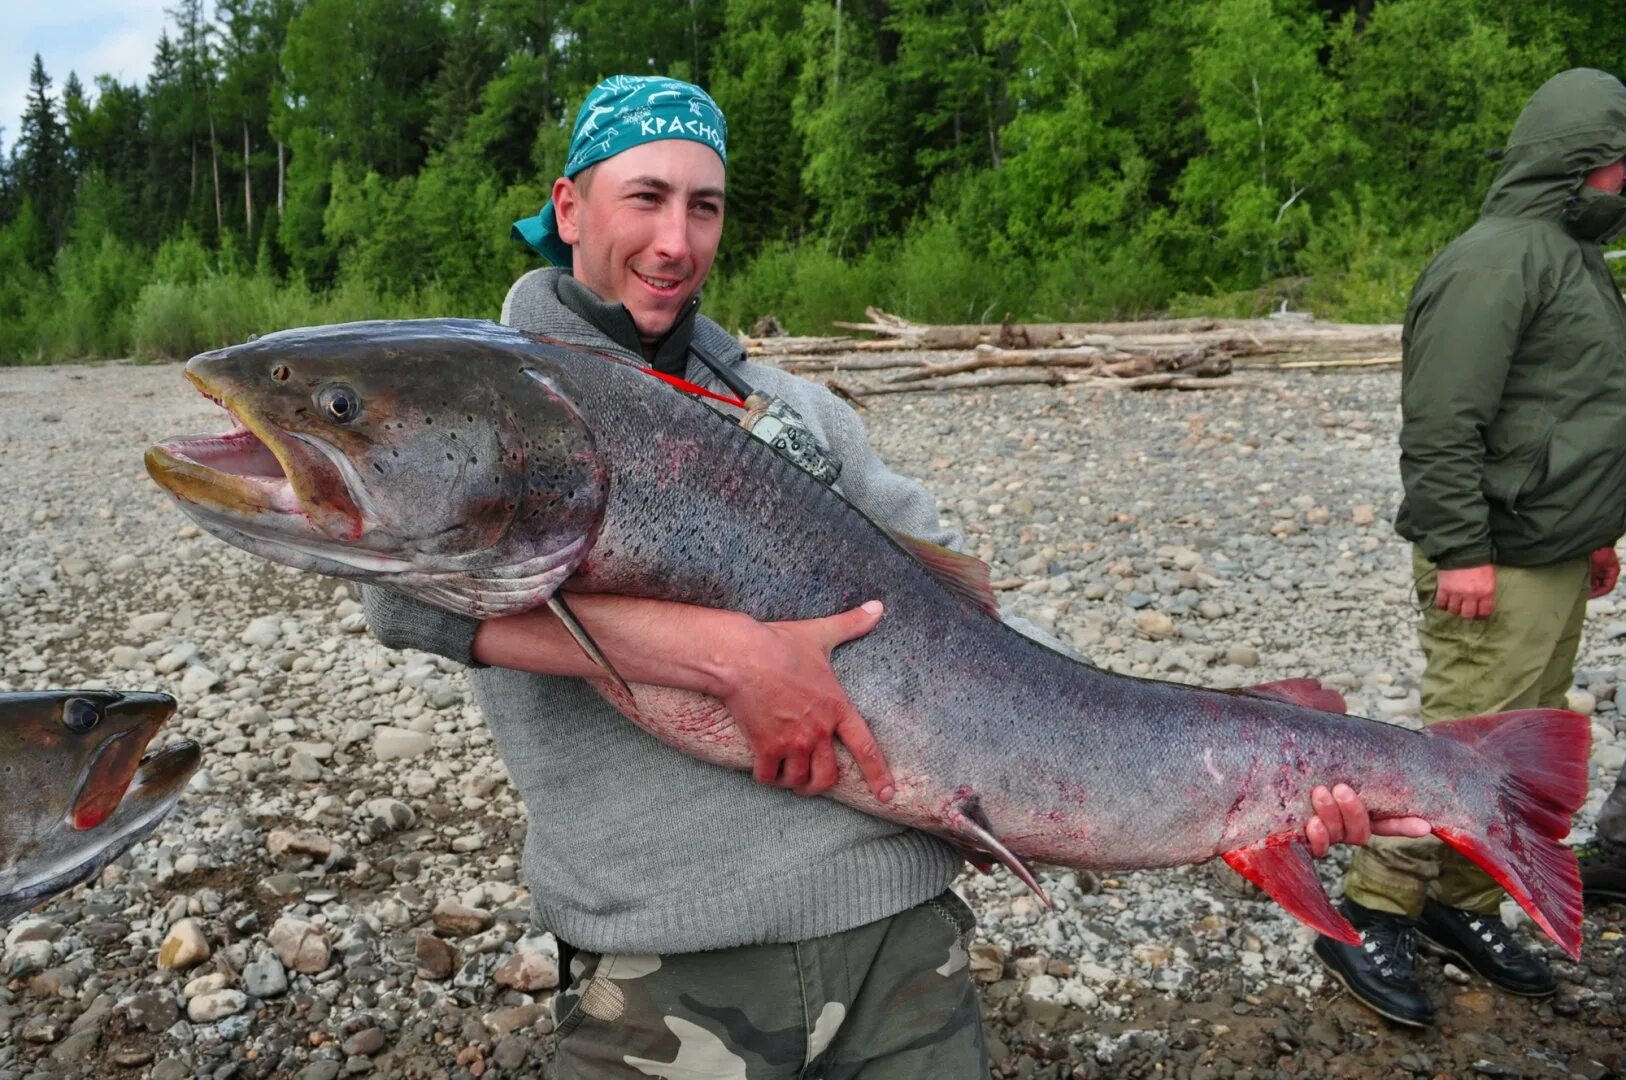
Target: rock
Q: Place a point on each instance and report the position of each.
(279, 842)
(1363, 514)
(145, 626)
(458, 920)
(151, 1012)
(262, 633)
(505, 1022)
(436, 959)
(300, 945)
(987, 962)
(184, 947)
(198, 681)
(304, 768)
(265, 977)
(1242, 656)
(397, 744)
(1155, 625)
(389, 815)
(365, 1043)
(1581, 701)
(527, 972)
(207, 1008)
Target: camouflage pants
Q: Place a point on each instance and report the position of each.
(891, 1000)
(1521, 657)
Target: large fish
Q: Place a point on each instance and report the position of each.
(78, 787)
(483, 470)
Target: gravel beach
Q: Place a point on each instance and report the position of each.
(339, 894)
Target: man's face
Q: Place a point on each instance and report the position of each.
(1609, 179)
(644, 231)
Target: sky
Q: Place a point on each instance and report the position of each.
(91, 37)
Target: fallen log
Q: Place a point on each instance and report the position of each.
(1168, 380)
(1126, 335)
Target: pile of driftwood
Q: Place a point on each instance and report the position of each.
(1176, 354)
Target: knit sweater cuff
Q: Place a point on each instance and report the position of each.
(400, 622)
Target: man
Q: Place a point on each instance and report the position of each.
(712, 923)
(1603, 861)
(1513, 461)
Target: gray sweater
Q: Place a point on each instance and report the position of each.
(634, 847)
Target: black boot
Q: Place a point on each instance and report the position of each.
(1603, 872)
(1484, 944)
(1379, 972)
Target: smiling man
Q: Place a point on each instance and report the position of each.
(712, 924)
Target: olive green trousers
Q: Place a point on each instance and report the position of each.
(1521, 657)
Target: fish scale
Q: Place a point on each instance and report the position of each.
(1007, 748)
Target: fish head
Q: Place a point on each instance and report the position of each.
(429, 455)
(79, 785)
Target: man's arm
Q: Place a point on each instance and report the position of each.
(774, 678)
(1459, 349)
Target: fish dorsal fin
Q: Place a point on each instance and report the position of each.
(1307, 692)
(962, 575)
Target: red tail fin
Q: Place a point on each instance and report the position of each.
(1540, 756)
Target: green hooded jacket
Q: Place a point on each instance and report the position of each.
(1513, 377)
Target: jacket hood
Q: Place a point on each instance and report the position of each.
(1574, 123)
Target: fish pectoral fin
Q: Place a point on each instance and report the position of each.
(969, 825)
(556, 604)
(962, 575)
(1307, 692)
(981, 860)
(1282, 866)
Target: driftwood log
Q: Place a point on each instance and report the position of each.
(1171, 353)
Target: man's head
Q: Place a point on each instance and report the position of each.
(643, 227)
(638, 213)
(1610, 179)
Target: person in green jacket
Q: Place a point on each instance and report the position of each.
(1513, 463)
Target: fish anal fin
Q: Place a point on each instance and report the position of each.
(969, 827)
(1282, 867)
(962, 575)
(1307, 692)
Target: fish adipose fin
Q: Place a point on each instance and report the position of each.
(962, 575)
(1537, 762)
(1282, 866)
(1307, 692)
(556, 604)
(969, 825)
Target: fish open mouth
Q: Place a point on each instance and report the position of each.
(253, 470)
(159, 782)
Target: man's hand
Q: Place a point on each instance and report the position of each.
(785, 697)
(1605, 571)
(1470, 592)
(1341, 818)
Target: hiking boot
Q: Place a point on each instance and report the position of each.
(1484, 945)
(1603, 872)
(1380, 972)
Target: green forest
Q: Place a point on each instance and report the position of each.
(290, 162)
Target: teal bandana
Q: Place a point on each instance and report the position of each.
(621, 112)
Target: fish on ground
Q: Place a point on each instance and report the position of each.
(78, 787)
(488, 472)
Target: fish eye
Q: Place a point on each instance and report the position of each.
(339, 404)
(281, 373)
(80, 716)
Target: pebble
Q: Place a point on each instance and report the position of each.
(185, 946)
(396, 744)
(300, 945)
